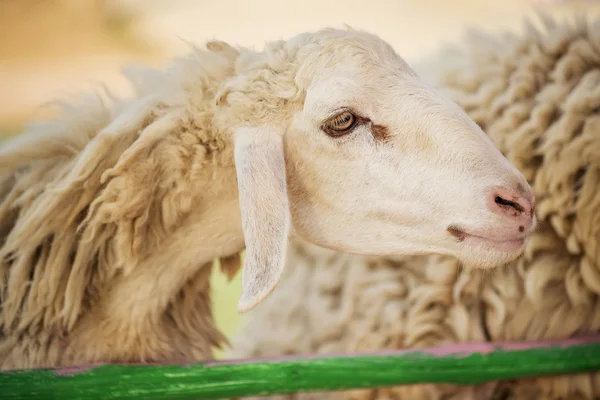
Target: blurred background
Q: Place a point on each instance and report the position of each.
(52, 48)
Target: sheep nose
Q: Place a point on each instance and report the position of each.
(517, 204)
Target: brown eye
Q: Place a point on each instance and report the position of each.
(340, 124)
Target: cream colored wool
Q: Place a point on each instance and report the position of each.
(538, 96)
(111, 216)
(107, 214)
(74, 232)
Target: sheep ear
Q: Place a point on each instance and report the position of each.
(264, 206)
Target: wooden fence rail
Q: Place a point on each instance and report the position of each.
(462, 364)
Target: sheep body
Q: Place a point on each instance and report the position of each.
(536, 95)
(86, 200)
(111, 216)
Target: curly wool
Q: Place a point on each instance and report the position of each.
(537, 96)
(111, 216)
(80, 208)
(96, 206)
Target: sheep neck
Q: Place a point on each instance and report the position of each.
(214, 230)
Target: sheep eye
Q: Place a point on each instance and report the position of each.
(340, 124)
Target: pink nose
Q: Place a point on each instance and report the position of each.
(517, 203)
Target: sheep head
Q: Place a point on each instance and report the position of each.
(358, 154)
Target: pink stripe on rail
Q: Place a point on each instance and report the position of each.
(461, 350)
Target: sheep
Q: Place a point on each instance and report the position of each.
(112, 214)
(536, 95)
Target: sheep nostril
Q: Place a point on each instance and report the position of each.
(503, 202)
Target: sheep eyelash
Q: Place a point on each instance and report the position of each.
(359, 121)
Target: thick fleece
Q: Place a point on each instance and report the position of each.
(537, 95)
(111, 216)
(87, 199)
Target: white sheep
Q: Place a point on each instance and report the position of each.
(111, 216)
(537, 95)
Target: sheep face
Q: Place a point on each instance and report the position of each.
(374, 161)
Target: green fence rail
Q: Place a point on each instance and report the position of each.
(463, 364)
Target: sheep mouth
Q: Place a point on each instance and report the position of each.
(490, 243)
